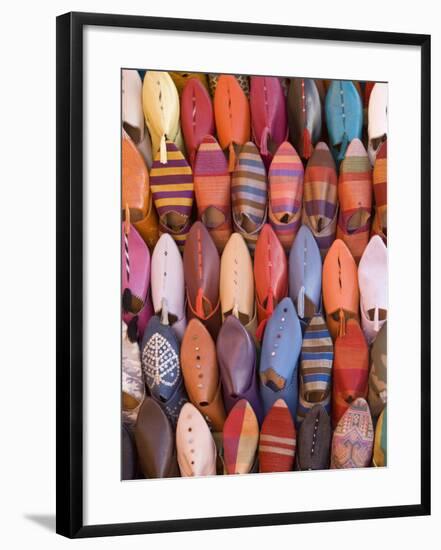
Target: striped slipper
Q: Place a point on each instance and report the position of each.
(277, 443)
(355, 197)
(351, 370)
(249, 194)
(285, 189)
(320, 204)
(315, 368)
(240, 438)
(172, 188)
(379, 177)
(212, 186)
(353, 438)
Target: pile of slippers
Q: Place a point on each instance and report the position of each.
(254, 274)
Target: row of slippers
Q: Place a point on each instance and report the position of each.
(205, 286)
(153, 450)
(302, 370)
(246, 198)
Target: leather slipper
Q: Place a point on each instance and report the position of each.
(240, 438)
(277, 442)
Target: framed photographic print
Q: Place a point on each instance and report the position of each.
(243, 274)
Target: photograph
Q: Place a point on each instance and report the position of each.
(254, 274)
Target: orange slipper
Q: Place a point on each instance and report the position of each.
(341, 297)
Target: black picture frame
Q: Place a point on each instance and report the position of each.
(69, 271)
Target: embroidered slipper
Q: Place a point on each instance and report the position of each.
(304, 115)
(132, 113)
(168, 287)
(212, 185)
(278, 371)
(315, 368)
(350, 371)
(344, 116)
(341, 297)
(268, 115)
(232, 116)
(196, 450)
(242, 80)
(132, 380)
(372, 280)
(305, 275)
(377, 396)
(237, 284)
(160, 101)
(181, 78)
(353, 438)
(314, 440)
(155, 442)
(197, 117)
(379, 458)
(201, 374)
(320, 200)
(277, 442)
(377, 119)
(136, 196)
(161, 368)
(355, 197)
(236, 354)
(135, 281)
(285, 179)
(270, 275)
(249, 194)
(172, 189)
(379, 177)
(240, 438)
(202, 272)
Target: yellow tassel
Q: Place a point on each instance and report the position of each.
(163, 150)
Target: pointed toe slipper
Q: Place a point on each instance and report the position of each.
(212, 185)
(155, 442)
(161, 368)
(237, 284)
(304, 115)
(379, 178)
(377, 119)
(285, 190)
(278, 371)
(236, 354)
(168, 284)
(232, 116)
(305, 275)
(202, 273)
(277, 441)
(240, 438)
(197, 117)
(315, 373)
(196, 450)
(314, 440)
(341, 295)
(353, 438)
(270, 275)
(135, 281)
(129, 457)
(249, 194)
(201, 374)
(372, 280)
(379, 458)
(320, 197)
(173, 191)
(344, 116)
(350, 370)
(268, 114)
(355, 197)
